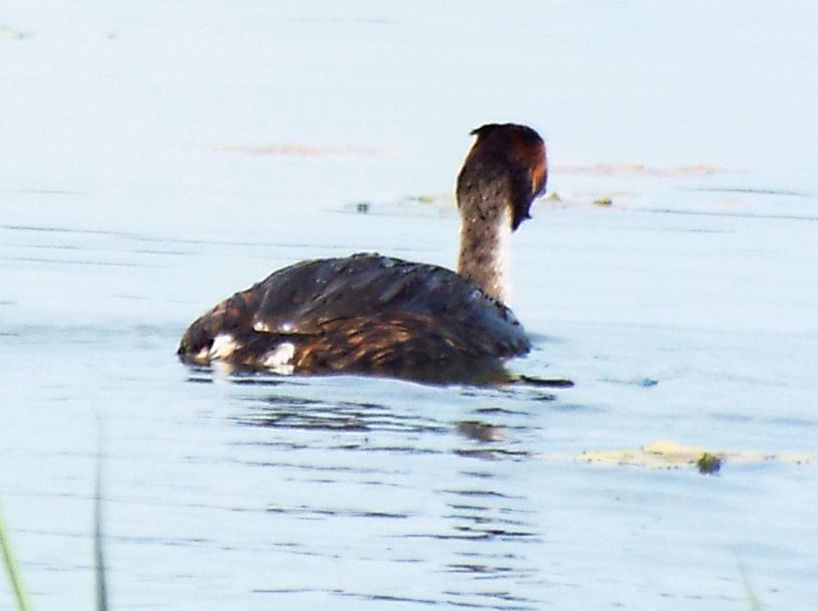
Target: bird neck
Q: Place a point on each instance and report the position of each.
(484, 251)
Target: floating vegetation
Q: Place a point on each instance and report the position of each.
(671, 455)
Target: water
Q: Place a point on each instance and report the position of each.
(157, 157)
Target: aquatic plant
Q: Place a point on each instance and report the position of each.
(99, 557)
(752, 599)
(11, 568)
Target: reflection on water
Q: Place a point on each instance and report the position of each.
(477, 529)
(299, 413)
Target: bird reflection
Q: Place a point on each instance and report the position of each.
(437, 490)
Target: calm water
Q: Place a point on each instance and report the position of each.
(158, 156)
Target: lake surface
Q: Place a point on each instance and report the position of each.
(156, 157)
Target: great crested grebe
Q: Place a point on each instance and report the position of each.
(377, 315)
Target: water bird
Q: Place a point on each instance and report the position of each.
(378, 315)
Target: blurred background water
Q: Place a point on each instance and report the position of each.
(155, 157)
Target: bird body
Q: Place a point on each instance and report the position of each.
(417, 321)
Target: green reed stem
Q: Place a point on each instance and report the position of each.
(99, 555)
(11, 568)
(752, 599)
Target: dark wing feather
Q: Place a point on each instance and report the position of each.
(312, 295)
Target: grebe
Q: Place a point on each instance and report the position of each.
(377, 315)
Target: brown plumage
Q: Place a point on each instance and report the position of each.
(378, 315)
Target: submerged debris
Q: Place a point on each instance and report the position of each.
(708, 464)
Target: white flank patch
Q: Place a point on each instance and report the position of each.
(280, 360)
(223, 346)
(262, 327)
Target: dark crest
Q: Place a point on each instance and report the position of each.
(522, 151)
